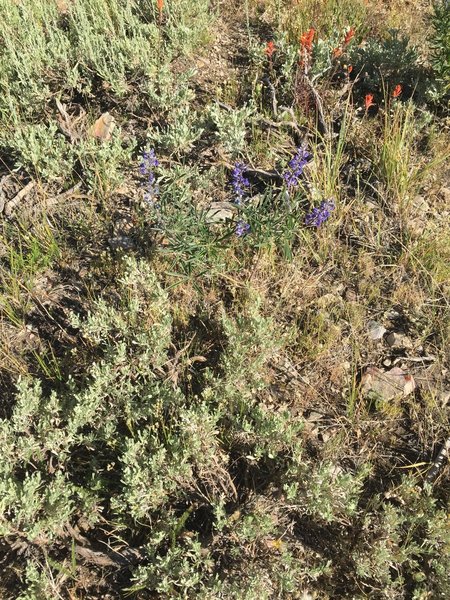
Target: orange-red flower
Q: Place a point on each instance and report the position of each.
(270, 49)
(349, 36)
(306, 39)
(160, 5)
(349, 69)
(397, 91)
(368, 101)
(337, 52)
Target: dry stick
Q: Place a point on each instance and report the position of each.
(439, 461)
(318, 104)
(126, 557)
(273, 96)
(3, 198)
(10, 206)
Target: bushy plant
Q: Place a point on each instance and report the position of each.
(231, 127)
(440, 45)
(382, 64)
(182, 131)
(80, 48)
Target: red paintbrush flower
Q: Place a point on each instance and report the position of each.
(349, 69)
(349, 36)
(306, 39)
(160, 5)
(270, 49)
(368, 101)
(397, 91)
(337, 52)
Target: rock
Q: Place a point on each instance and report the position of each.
(314, 416)
(399, 340)
(218, 212)
(387, 385)
(420, 205)
(375, 330)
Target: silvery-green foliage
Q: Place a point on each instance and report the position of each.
(37, 494)
(50, 49)
(188, 24)
(40, 149)
(31, 501)
(129, 442)
(252, 340)
(440, 45)
(39, 585)
(325, 491)
(178, 573)
(409, 539)
(271, 431)
(387, 62)
(141, 318)
(183, 129)
(111, 39)
(165, 90)
(289, 66)
(103, 163)
(154, 470)
(231, 127)
(31, 52)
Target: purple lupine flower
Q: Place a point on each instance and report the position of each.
(242, 228)
(295, 168)
(148, 163)
(239, 183)
(320, 214)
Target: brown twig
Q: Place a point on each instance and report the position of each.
(11, 204)
(305, 80)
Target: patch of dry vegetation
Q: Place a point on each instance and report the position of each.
(224, 370)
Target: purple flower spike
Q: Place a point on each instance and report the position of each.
(239, 183)
(148, 163)
(320, 214)
(242, 228)
(295, 168)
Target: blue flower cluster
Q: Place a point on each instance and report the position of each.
(242, 228)
(147, 168)
(239, 183)
(295, 168)
(320, 214)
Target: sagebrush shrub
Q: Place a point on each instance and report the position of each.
(440, 44)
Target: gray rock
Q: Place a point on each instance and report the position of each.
(387, 385)
(376, 331)
(399, 340)
(219, 212)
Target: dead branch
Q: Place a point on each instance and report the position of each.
(304, 79)
(11, 204)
